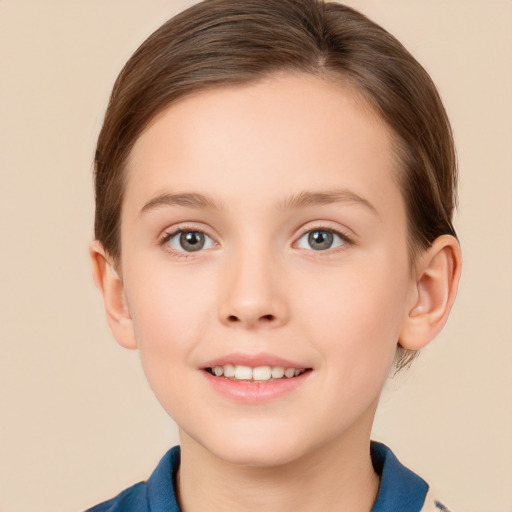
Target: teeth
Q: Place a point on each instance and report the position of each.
(289, 372)
(229, 370)
(260, 373)
(277, 372)
(243, 373)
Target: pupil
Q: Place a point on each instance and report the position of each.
(319, 240)
(192, 241)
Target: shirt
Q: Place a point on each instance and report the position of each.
(400, 489)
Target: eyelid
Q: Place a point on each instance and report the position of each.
(172, 231)
(326, 226)
(309, 227)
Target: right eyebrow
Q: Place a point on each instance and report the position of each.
(186, 199)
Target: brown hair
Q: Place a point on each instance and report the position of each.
(225, 42)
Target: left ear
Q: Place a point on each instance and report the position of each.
(437, 274)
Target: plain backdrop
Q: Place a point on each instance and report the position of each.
(78, 422)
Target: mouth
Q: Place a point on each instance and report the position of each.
(255, 378)
(255, 374)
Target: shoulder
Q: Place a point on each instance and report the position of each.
(153, 495)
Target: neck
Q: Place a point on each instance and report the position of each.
(336, 476)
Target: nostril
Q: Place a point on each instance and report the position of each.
(264, 318)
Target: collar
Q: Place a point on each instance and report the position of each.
(160, 491)
(400, 489)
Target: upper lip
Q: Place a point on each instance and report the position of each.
(253, 360)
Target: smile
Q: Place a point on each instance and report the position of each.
(254, 374)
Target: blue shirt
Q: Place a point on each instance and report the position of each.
(400, 489)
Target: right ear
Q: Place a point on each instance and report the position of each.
(111, 287)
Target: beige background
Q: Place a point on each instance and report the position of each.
(77, 420)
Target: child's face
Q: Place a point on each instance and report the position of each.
(296, 256)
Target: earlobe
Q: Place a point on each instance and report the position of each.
(437, 274)
(111, 288)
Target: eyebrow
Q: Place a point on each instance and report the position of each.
(306, 199)
(301, 200)
(185, 199)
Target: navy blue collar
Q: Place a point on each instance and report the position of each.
(400, 489)
(161, 495)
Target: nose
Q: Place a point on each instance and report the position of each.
(254, 295)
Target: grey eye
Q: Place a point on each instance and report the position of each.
(320, 240)
(190, 241)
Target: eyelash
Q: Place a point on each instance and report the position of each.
(345, 238)
(168, 236)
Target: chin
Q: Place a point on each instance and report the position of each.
(251, 447)
(258, 454)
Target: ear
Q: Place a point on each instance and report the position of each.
(111, 288)
(437, 274)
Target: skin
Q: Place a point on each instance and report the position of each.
(259, 286)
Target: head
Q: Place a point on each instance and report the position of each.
(219, 43)
(221, 52)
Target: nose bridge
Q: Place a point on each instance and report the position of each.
(254, 294)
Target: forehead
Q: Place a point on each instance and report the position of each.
(281, 135)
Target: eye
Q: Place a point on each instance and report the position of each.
(189, 241)
(321, 240)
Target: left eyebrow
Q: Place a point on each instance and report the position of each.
(185, 199)
(307, 198)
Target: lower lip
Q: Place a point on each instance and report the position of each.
(255, 392)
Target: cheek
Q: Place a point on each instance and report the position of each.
(355, 316)
(357, 335)
(170, 313)
(169, 321)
